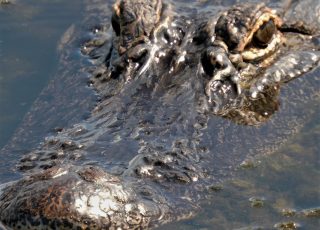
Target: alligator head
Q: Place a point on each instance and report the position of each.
(164, 83)
(246, 54)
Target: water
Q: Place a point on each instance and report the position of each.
(280, 188)
(279, 192)
(29, 35)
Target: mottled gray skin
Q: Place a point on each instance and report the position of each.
(182, 104)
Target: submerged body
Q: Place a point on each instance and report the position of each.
(171, 99)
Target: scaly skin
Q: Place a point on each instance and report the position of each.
(168, 85)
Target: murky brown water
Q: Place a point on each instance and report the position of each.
(280, 191)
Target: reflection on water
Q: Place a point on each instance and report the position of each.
(280, 191)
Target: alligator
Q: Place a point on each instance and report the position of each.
(182, 100)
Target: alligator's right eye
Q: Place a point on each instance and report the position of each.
(264, 34)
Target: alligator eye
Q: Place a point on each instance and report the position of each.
(264, 34)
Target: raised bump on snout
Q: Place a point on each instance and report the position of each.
(218, 67)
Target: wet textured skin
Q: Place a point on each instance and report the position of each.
(175, 95)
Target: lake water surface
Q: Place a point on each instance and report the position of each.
(280, 191)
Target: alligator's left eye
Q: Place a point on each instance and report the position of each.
(264, 34)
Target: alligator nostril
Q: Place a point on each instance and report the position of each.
(223, 87)
(213, 60)
(217, 62)
(206, 64)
